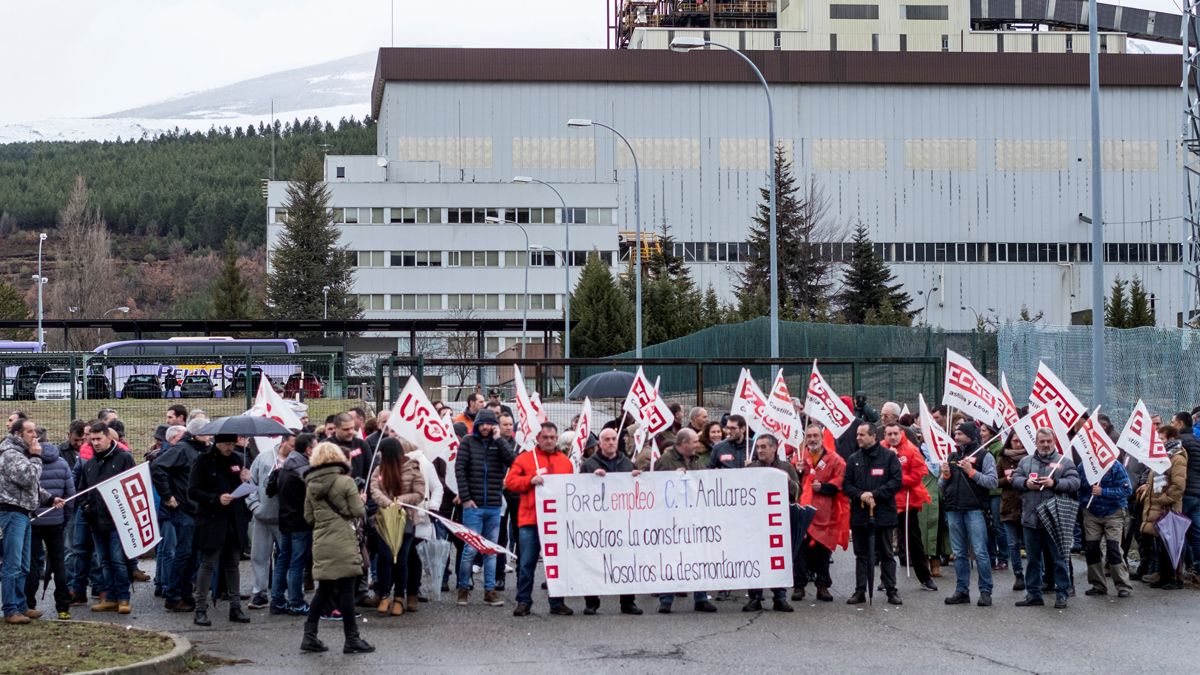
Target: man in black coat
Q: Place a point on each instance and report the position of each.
(483, 461)
(873, 477)
(346, 435)
(171, 472)
(731, 452)
(107, 461)
(221, 523)
(604, 461)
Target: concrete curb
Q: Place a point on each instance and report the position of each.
(174, 661)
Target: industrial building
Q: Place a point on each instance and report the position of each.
(968, 166)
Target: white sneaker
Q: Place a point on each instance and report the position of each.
(508, 569)
(476, 569)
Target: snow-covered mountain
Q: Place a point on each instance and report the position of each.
(330, 91)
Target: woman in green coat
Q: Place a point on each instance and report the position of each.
(333, 505)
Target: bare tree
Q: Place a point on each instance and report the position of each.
(86, 283)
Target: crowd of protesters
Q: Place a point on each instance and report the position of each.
(306, 522)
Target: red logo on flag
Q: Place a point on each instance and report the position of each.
(138, 497)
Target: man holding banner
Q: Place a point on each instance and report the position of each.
(766, 449)
(608, 460)
(108, 461)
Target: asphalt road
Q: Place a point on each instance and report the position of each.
(1153, 631)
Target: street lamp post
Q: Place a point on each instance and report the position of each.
(325, 315)
(567, 276)
(525, 304)
(687, 44)
(928, 294)
(637, 217)
(41, 335)
(122, 309)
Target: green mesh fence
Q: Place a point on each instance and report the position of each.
(1158, 365)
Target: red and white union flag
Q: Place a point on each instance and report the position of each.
(1094, 448)
(129, 497)
(822, 404)
(1049, 391)
(964, 388)
(939, 442)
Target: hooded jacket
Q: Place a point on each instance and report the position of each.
(831, 525)
(875, 470)
(1191, 445)
(331, 506)
(19, 473)
(57, 480)
(913, 494)
(1066, 482)
(482, 464)
(1115, 489)
(263, 507)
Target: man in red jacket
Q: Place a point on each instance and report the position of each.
(912, 497)
(523, 477)
(822, 473)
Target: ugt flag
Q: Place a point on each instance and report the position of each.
(130, 501)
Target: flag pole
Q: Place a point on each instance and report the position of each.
(84, 492)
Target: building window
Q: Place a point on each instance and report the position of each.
(374, 301)
(1070, 43)
(417, 302)
(874, 42)
(854, 11)
(945, 43)
(927, 12)
(903, 42)
(351, 217)
(411, 215)
(575, 216)
(468, 216)
(491, 345)
(514, 258)
(341, 172)
(280, 216)
(478, 258)
(473, 301)
(370, 259)
(513, 301)
(337, 215)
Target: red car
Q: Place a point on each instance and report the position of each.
(313, 386)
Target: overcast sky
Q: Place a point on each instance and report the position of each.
(77, 58)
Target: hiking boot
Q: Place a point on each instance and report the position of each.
(33, 613)
(1030, 602)
(236, 615)
(985, 600)
(385, 606)
(397, 606)
(357, 645)
(893, 597)
(312, 644)
(139, 575)
(780, 606)
(123, 607)
(858, 598)
(959, 599)
(201, 618)
(823, 594)
(798, 594)
(259, 601)
(493, 599)
(562, 610)
(16, 619)
(704, 606)
(105, 605)
(1019, 584)
(755, 605)
(414, 603)
(521, 610)
(463, 596)
(632, 609)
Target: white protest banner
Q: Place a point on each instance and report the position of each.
(527, 425)
(822, 404)
(467, 535)
(1048, 390)
(655, 453)
(749, 402)
(1094, 449)
(656, 415)
(536, 400)
(1139, 438)
(964, 388)
(939, 442)
(583, 429)
(665, 532)
(130, 501)
(641, 392)
(414, 419)
(781, 419)
(269, 404)
(1044, 418)
(1007, 412)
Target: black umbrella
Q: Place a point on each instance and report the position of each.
(244, 425)
(871, 555)
(609, 384)
(1057, 515)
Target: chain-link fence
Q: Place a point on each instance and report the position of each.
(1159, 365)
(689, 382)
(57, 387)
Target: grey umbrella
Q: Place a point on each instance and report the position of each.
(609, 384)
(244, 425)
(1057, 516)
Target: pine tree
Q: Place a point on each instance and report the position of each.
(868, 291)
(711, 310)
(1116, 309)
(670, 300)
(13, 307)
(804, 274)
(603, 312)
(308, 256)
(230, 296)
(1140, 313)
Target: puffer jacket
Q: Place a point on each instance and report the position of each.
(286, 485)
(332, 506)
(875, 470)
(480, 469)
(1066, 483)
(57, 480)
(1191, 445)
(1115, 489)
(913, 495)
(1170, 496)
(19, 475)
(1010, 499)
(412, 487)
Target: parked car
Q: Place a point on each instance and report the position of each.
(142, 386)
(237, 385)
(196, 386)
(55, 385)
(313, 387)
(27, 380)
(9, 384)
(97, 388)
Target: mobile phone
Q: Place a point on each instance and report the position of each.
(1033, 477)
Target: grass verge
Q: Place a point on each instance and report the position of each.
(52, 647)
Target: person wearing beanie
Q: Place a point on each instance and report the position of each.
(967, 477)
(847, 443)
(221, 524)
(483, 460)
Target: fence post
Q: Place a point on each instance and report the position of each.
(855, 378)
(393, 385)
(72, 367)
(250, 383)
(700, 383)
(379, 399)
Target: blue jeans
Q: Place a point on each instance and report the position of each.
(112, 564)
(18, 544)
(1036, 541)
(1191, 509)
(86, 570)
(997, 535)
(178, 584)
(969, 528)
(485, 521)
(164, 552)
(1015, 538)
(291, 559)
(531, 548)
